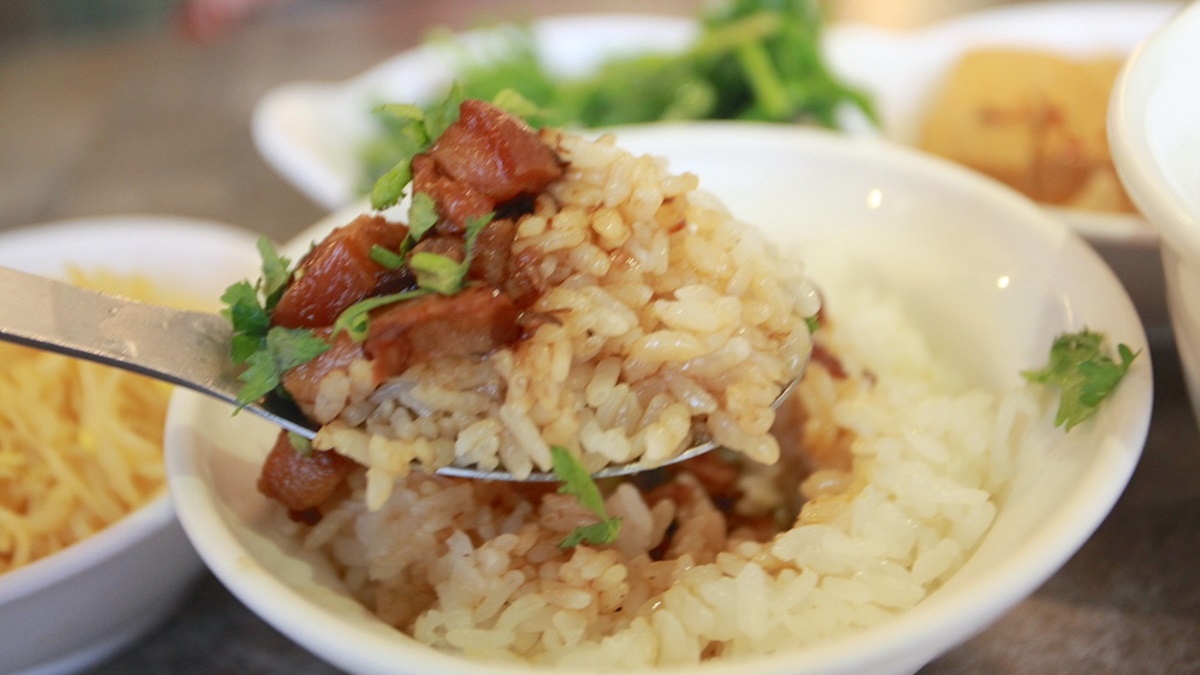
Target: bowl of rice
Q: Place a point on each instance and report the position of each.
(923, 484)
(91, 554)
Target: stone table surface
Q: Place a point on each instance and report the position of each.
(141, 121)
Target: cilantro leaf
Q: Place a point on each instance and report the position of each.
(389, 189)
(578, 483)
(354, 319)
(514, 103)
(267, 351)
(300, 444)
(422, 216)
(413, 131)
(438, 273)
(439, 117)
(386, 257)
(601, 533)
(1084, 375)
(259, 378)
(276, 272)
(473, 227)
(248, 318)
(285, 349)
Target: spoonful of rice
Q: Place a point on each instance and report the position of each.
(181, 347)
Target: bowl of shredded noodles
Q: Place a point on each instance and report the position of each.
(89, 543)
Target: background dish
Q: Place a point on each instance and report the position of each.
(76, 607)
(1156, 146)
(911, 223)
(902, 70)
(310, 132)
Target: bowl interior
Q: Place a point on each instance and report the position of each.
(85, 590)
(991, 280)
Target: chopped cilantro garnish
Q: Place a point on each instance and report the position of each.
(813, 322)
(445, 275)
(578, 483)
(267, 351)
(275, 274)
(300, 444)
(285, 349)
(422, 216)
(413, 131)
(1083, 374)
(250, 321)
(436, 272)
(354, 319)
(512, 102)
(386, 258)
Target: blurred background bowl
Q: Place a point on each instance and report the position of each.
(71, 609)
(990, 279)
(1154, 131)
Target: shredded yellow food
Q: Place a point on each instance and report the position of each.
(80, 443)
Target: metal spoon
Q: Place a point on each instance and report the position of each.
(185, 348)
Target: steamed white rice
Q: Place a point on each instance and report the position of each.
(903, 471)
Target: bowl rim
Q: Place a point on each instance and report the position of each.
(1139, 80)
(1001, 587)
(79, 557)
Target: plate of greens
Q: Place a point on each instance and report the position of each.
(756, 60)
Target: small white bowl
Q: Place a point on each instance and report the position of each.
(1155, 138)
(991, 279)
(74, 608)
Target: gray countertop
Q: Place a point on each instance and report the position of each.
(139, 121)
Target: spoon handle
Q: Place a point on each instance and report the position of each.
(186, 348)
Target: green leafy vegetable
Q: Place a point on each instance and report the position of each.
(752, 60)
(385, 257)
(276, 273)
(1084, 375)
(285, 349)
(422, 216)
(578, 483)
(267, 351)
(300, 444)
(249, 320)
(444, 275)
(354, 320)
(436, 272)
(411, 131)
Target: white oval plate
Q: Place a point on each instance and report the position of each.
(991, 279)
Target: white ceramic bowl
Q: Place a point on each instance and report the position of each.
(991, 278)
(1155, 137)
(74, 608)
(311, 132)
